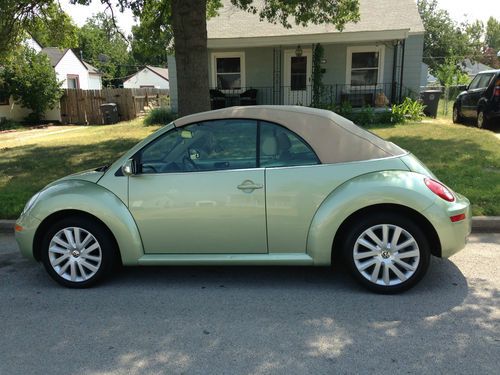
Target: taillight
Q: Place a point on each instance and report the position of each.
(439, 189)
(496, 90)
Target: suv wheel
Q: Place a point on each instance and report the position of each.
(457, 118)
(482, 122)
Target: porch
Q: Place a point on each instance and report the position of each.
(325, 96)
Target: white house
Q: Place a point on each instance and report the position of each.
(73, 72)
(150, 76)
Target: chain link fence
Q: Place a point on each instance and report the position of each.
(448, 96)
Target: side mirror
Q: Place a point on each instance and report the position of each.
(129, 168)
(463, 87)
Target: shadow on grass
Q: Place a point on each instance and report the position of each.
(26, 169)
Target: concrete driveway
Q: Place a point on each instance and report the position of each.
(252, 320)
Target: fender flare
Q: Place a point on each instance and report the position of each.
(401, 188)
(95, 200)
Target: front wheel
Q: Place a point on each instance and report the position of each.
(78, 252)
(387, 253)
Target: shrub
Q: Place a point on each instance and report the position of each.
(9, 124)
(159, 116)
(409, 109)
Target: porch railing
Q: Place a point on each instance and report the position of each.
(327, 96)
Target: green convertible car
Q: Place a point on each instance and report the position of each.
(259, 185)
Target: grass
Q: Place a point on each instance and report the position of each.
(465, 158)
(33, 158)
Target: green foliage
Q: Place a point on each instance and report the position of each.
(492, 37)
(317, 75)
(31, 80)
(159, 116)
(103, 46)
(153, 35)
(450, 74)
(409, 109)
(337, 12)
(443, 37)
(9, 125)
(53, 28)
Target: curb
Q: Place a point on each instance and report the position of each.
(480, 224)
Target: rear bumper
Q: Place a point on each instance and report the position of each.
(452, 235)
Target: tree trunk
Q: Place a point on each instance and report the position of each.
(189, 25)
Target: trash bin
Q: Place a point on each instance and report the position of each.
(109, 113)
(430, 98)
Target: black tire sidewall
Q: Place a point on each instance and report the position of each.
(102, 236)
(387, 218)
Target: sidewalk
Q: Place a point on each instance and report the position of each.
(480, 224)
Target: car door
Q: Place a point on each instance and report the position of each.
(468, 101)
(198, 190)
(476, 92)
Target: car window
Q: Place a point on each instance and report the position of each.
(475, 82)
(485, 80)
(279, 147)
(206, 146)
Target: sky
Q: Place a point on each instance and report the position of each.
(460, 10)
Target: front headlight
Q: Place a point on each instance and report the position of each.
(31, 202)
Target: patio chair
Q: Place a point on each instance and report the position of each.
(249, 97)
(217, 99)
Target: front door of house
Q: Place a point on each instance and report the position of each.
(297, 77)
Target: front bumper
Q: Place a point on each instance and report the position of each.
(25, 236)
(452, 235)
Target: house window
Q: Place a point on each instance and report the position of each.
(228, 70)
(365, 66)
(73, 81)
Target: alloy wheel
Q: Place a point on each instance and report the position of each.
(480, 119)
(386, 255)
(75, 254)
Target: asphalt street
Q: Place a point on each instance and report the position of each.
(252, 320)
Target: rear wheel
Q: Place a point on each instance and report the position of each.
(78, 252)
(482, 122)
(387, 253)
(457, 117)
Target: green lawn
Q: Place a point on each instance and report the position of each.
(465, 158)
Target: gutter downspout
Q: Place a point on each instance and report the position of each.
(402, 69)
(394, 63)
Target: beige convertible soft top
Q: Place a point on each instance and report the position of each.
(333, 138)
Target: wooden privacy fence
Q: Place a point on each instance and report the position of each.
(84, 106)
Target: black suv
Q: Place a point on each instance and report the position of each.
(480, 101)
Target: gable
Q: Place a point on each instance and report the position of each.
(380, 15)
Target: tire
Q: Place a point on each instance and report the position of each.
(386, 269)
(457, 117)
(482, 122)
(86, 263)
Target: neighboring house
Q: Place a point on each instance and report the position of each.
(426, 78)
(148, 77)
(380, 54)
(471, 68)
(73, 72)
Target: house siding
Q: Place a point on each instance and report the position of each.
(95, 82)
(414, 48)
(71, 65)
(146, 77)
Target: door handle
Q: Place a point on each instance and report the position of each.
(249, 186)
